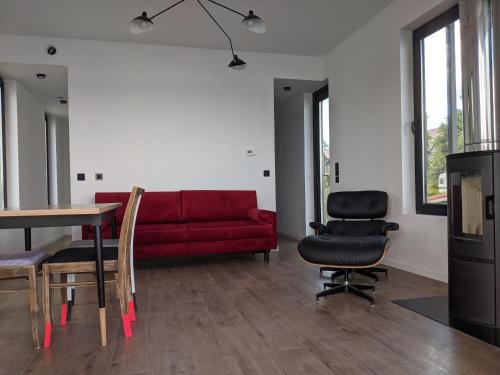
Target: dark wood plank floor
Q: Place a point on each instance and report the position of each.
(241, 316)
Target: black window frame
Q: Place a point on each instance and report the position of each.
(445, 19)
(318, 97)
(3, 163)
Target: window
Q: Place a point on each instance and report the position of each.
(321, 134)
(438, 125)
(3, 180)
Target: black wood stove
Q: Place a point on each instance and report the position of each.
(474, 179)
(474, 243)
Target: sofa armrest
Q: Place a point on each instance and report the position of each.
(318, 227)
(390, 227)
(262, 216)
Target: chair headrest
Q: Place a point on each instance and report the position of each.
(367, 204)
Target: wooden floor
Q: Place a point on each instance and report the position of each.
(242, 316)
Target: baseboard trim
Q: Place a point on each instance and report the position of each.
(290, 236)
(417, 270)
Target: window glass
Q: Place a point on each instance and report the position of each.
(438, 108)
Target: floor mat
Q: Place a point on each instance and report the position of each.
(435, 308)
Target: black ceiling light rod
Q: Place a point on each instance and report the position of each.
(217, 23)
(164, 10)
(226, 7)
(236, 63)
(250, 22)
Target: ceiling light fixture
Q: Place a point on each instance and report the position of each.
(250, 21)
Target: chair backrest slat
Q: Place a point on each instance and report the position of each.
(127, 230)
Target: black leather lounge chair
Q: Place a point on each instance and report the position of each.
(357, 244)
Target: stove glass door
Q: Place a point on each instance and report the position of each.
(471, 207)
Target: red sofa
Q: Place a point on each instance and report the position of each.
(195, 222)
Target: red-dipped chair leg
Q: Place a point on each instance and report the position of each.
(131, 311)
(127, 326)
(64, 314)
(47, 335)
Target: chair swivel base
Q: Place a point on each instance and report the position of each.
(371, 272)
(368, 272)
(347, 287)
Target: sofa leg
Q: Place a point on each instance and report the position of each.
(266, 256)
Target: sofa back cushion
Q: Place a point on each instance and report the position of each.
(155, 208)
(212, 205)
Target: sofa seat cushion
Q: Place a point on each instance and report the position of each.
(227, 230)
(159, 233)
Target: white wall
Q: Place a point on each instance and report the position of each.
(370, 117)
(294, 171)
(166, 118)
(26, 163)
(308, 162)
(32, 151)
(59, 171)
(63, 162)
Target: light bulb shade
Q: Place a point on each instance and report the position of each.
(237, 63)
(141, 24)
(253, 23)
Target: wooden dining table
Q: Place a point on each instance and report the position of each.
(62, 216)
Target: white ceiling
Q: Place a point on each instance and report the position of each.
(302, 27)
(45, 90)
(298, 87)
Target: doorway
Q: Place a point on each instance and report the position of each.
(321, 149)
(293, 110)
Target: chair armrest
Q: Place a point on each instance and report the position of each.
(390, 227)
(318, 227)
(262, 216)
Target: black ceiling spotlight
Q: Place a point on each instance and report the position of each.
(250, 21)
(41, 76)
(51, 50)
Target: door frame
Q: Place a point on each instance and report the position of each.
(318, 96)
(3, 140)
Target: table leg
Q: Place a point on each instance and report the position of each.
(113, 227)
(27, 239)
(100, 283)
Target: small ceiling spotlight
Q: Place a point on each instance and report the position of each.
(287, 89)
(63, 101)
(51, 50)
(41, 76)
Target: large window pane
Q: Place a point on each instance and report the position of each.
(438, 108)
(435, 115)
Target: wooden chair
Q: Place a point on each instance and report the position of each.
(24, 265)
(82, 261)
